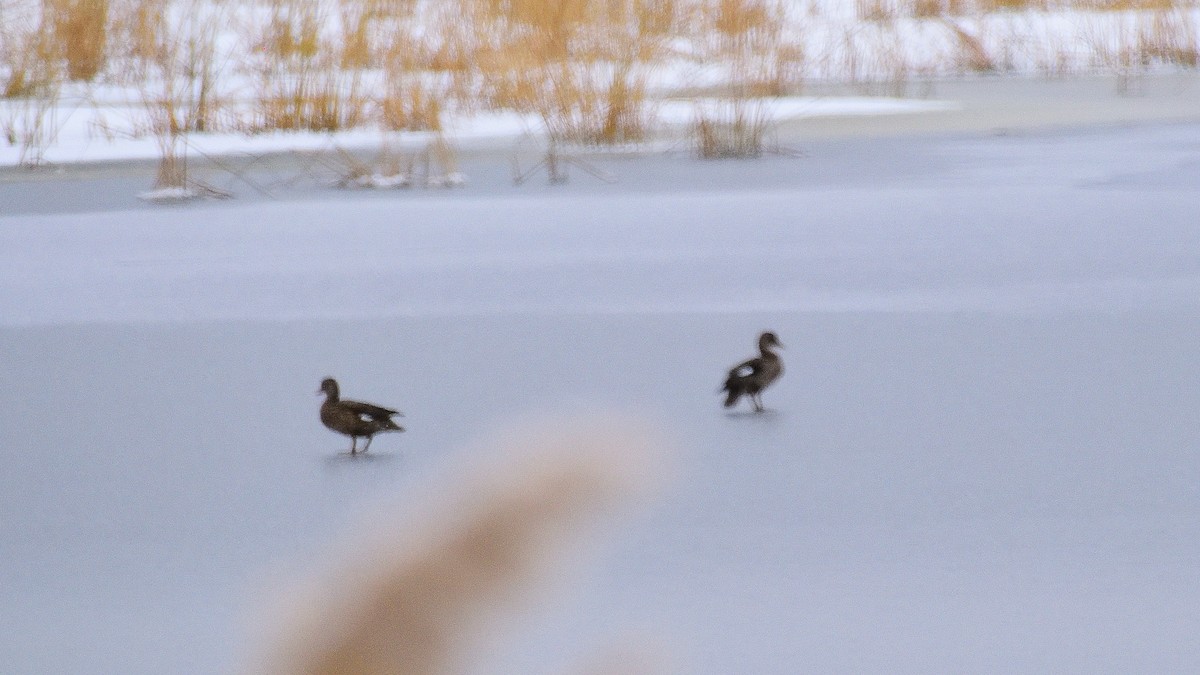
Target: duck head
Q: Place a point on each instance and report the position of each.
(768, 339)
(329, 387)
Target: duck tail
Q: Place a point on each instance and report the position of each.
(733, 393)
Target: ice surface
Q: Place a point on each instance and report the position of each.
(1099, 220)
(981, 458)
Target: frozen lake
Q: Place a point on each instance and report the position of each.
(982, 456)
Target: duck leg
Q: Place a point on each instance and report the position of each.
(353, 444)
(758, 406)
(368, 445)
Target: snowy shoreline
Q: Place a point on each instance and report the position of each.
(970, 105)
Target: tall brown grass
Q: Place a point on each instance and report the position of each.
(990, 6)
(584, 68)
(750, 37)
(411, 103)
(422, 586)
(1130, 5)
(1150, 39)
(28, 56)
(761, 61)
(179, 88)
(1168, 37)
(889, 10)
(141, 29)
(972, 56)
(734, 128)
(424, 71)
(356, 23)
(301, 86)
(34, 74)
(877, 10)
(80, 30)
(314, 97)
(581, 67)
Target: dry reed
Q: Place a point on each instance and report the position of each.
(179, 89)
(1168, 37)
(972, 55)
(29, 50)
(300, 85)
(418, 590)
(583, 67)
(80, 29)
(580, 67)
(733, 128)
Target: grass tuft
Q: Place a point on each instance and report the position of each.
(1168, 37)
(972, 55)
(80, 29)
(731, 129)
(580, 67)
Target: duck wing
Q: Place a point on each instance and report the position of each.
(345, 421)
(369, 410)
(745, 369)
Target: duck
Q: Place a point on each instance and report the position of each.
(751, 377)
(354, 418)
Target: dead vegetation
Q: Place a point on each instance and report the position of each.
(586, 69)
(419, 590)
(733, 129)
(581, 67)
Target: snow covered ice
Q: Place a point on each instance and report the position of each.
(982, 456)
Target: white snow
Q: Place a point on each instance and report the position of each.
(169, 195)
(83, 133)
(982, 456)
(798, 107)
